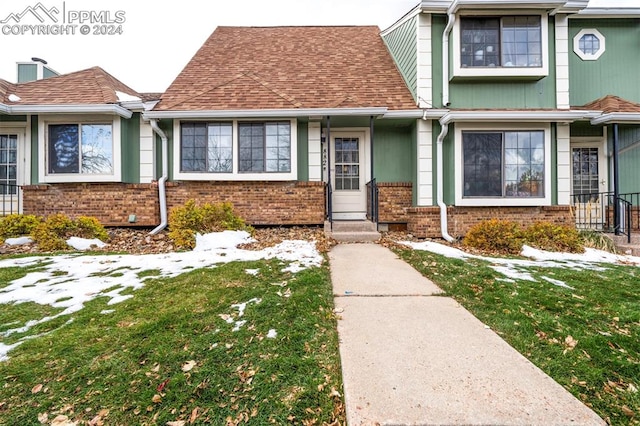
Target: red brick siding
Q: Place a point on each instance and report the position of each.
(393, 200)
(111, 203)
(424, 222)
(259, 203)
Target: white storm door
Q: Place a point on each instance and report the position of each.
(348, 172)
(9, 194)
(588, 179)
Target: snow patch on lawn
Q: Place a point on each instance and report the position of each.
(517, 269)
(83, 244)
(18, 241)
(70, 281)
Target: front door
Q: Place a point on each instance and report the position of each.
(589, 172)
(348, 170)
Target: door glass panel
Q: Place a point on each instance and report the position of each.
(347, 166)
(586, 182)
(8, 163)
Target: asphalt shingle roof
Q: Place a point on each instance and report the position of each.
(612, 104)
(289, 67)
(90, 86)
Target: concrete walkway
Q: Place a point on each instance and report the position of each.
(411, 357)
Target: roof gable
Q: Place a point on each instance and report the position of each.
(289, 67)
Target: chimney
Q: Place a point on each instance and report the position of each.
(36, 69)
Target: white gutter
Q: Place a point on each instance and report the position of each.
(444, 225)
(617, 117)
(257, 113)
(451, 19)
(520, 116)
(162, 196)
(622, 12)
(4, 108)
(70, 109)
(416, 113)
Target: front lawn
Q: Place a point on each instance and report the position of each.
(580, 323)
(240, 343)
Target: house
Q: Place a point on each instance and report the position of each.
(534, 111)
(76, 144)
(461, 111)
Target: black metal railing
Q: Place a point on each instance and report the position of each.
(328, 204)
(9, 199)
(372, 201)
(598, 211)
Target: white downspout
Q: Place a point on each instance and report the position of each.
(162, 196)
(451, 18)
(444, 123)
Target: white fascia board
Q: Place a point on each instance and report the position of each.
(617, 117)
(4, 108)
(505, 4)
(518, 116)
(604, 12)
(71, 109)
(435, 6)
(262, 113)
(413, 12)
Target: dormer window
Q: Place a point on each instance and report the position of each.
(490, 45)
(508, 41)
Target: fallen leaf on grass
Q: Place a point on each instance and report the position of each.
(569, 343)
(37, 388)
(194, 415)
(43, 418)
(188, 366)
(627, 411)
(162, 385)
(177, 423)
(62, 421)
(156, 399)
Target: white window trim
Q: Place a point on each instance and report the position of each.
(43, 135)
(502, 202)
(235, 175)
(23, 130)
(588, 56)
(543, 71)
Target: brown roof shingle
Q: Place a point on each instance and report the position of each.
(90, 86)
(612, 104)
(289, 67)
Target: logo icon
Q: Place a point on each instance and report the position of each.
(39, 11)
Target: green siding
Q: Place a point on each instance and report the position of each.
(130, 148)
(47, 72)
(492, 92)
(585, 129)
(13, 118)
(402, 42)
(303, 151)
(438, 23)
(392, 154)
(629, 157)
(27, 72)
(616, 71)
(34, 150)
(167, 128)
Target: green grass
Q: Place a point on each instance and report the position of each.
(544, 322)
(167, 354)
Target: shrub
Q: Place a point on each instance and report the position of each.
(552, 237)
(188, 220)
(17, 225)
(598, 240)
(53, 233)
(495, 236)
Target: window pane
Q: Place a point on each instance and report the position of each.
(480, 42)
(63, 149)
(524, 165)
(97, 149)
(521, 45)
(482, 153)
(219, 148)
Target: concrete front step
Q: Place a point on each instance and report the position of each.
(352, 231)
(632, 248)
